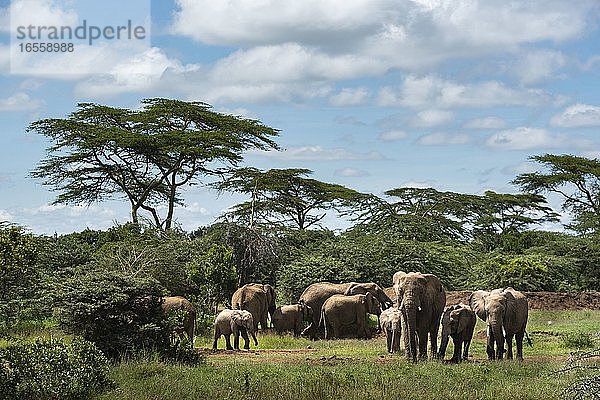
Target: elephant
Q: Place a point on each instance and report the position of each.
(421, 299)
(257, 298)
(316, 294)
(236, 322)
(291, 317)
(391, 293)
(458, 322)
(391, 324)
(342, 314)
(177, 303)
(505, 311)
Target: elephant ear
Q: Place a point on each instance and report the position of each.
(397, 276)
(477, 303)
(355, 288)
(510, 304)
(463, 319)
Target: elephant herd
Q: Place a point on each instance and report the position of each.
(410, 311)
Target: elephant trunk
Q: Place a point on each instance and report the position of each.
(499, 339)
(409, 310)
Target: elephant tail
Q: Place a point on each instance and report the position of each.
(529, 342)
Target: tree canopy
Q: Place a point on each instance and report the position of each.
(145, 155)
(576, 179)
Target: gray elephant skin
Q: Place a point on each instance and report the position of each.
(421, 299)
(177, 303)
(458, 323)
(391, 325)
(291, 317)
(506, 312)
(316, 294)
(236, 322)
(343, 315)
(258, 299)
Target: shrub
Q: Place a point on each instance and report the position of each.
(52, 369)
(119, 313)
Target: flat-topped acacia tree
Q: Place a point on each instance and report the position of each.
(145, 155)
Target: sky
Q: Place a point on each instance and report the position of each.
(371, 94)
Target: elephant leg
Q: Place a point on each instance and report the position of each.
(457, 349)
(423, 345)
(217, 336)
(467, 343)
(228, 342)
(509, 351)
(390, 344)
(519, 341)
(246, 339)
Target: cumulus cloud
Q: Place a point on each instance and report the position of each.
(349, 97)
(318, 153)
(485, 123)
(577, 116)
(390, 136)
(442, 138)
(19, 102)
(538, 66)
(429, 118)
(526, 138)
(428, 91)
(350, 172)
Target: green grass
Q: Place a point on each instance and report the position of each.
(288, 368)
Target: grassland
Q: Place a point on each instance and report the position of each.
(288, 368)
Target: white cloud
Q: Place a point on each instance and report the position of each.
(6, 216)
(431, 91)
(521, 168)
(41, 13)
(429, 118)
(19, 102)
(537, 66)
(391, 136)
(350, 172)
(349, 97)
(577, 116)
(485, 123)
(525, 138)
(318, 153)
(442, 139)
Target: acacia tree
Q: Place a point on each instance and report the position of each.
(576, 180)
(286, 197)
(145, 155)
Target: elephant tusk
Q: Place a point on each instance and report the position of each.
(419, 308)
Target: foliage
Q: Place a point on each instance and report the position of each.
(285, 197)
(578, 340)
(18, 275)
(119, 313)
(527, 273)
(214, 274)
(587, 386)
(576, 180)
(52, 369)
(145, 155)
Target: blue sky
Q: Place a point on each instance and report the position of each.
(371, 94)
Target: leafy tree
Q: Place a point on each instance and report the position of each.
(145, 155)
(18, 274)
(285, 197)
(576, 180)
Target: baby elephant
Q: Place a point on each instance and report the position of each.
(291, 317)
(236, 322)
(390, 320)
(458, 322)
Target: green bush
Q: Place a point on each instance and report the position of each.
(119, 313)
(52, 369)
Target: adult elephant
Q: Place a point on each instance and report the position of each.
(458, 323)
(347, 315)
(316, 294)
(173, 304)
(234, 322)
(421, 299)
(258, 299)
(291, 317)
(505, 311)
